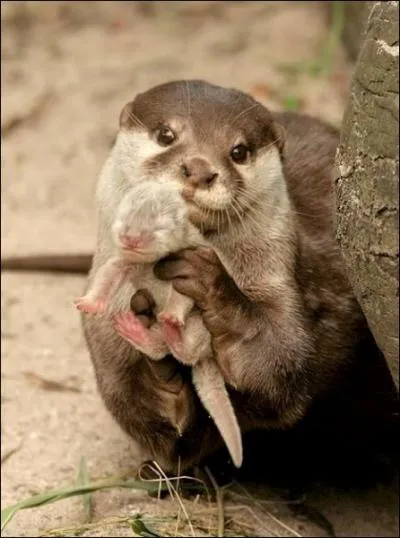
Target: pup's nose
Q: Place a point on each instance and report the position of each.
(198, 172)
(132, 241)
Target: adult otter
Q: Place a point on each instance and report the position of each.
(286, 329)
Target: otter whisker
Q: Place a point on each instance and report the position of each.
(249, 192)
(245, 111)
(247, 205)
(239, 215)
(249, 223)
(136, 120)
(251, 202)
(228, 218)
(273, 143)
(247, 213)
(229, 116)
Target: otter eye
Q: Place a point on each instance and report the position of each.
(165, 136)
(240, 154)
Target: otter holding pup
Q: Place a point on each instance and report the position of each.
(258, 187)
(286, 330)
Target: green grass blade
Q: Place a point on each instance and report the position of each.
(83, 480)
(63, 493)
(140, 529)
(291, 103)
(322, 65)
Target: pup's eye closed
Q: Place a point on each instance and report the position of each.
(165, 136)
(240, 154)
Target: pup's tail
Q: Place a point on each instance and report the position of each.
(210, 386)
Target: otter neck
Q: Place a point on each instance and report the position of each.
(268, 220)
(266, 235)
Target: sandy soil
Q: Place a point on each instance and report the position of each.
(67, 70)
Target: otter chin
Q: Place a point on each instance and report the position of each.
(205, 219)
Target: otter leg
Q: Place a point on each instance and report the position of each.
(148, 341)
(108, 277)
(194, 344)
(172, 320)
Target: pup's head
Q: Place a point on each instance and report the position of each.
(219, 146)
(151, 222)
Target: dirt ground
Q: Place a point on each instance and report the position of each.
(67, 70)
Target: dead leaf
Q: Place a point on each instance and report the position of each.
(260, 91)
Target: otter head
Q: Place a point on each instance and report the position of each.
(219, 146)
(151, 222)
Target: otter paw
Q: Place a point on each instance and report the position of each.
(89, 306)
(171, 328)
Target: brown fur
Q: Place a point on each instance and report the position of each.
(287, 330)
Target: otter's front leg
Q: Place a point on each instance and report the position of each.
(263, 347)
(107, 279)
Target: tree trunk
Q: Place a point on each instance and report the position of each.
(367, 181)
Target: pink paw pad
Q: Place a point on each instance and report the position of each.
(130, 328)
(89, 307)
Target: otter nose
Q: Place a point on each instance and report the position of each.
(198, 172)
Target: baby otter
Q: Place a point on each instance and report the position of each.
(151, 222)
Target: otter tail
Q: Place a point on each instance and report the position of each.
(212, 392)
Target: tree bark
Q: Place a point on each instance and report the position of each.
(367, 180)
(355, 17)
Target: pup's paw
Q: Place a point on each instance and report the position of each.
(171, 328)
(130, 327)
(149, 342)
(87, 305)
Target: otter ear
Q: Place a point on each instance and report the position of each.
(280, 136)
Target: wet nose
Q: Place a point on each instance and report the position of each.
(198, 172)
